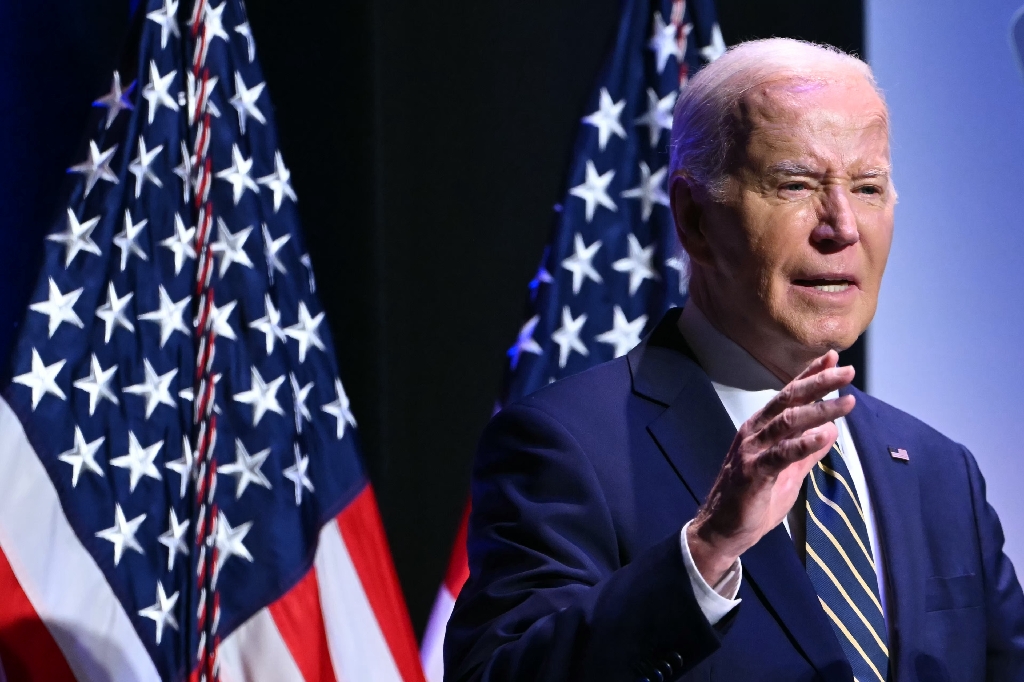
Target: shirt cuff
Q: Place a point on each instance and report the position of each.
(715, 602)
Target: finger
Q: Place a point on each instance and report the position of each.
(817, 386)
(793, 421)
(808, 448)
(829, 359)
(803, 392)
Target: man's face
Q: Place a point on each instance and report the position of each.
(792, 259)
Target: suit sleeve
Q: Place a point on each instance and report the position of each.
(548, 598)
(1004, 601)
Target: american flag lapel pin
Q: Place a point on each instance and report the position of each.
(899, 453)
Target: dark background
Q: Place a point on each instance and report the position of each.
(427, 143)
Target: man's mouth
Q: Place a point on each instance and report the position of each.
(829, 286)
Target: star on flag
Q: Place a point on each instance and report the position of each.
(594, 190)
(606, 119)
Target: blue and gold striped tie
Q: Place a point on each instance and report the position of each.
(841, 567)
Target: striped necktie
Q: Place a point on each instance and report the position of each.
(842, 568)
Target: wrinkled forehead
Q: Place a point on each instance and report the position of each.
(840, 111)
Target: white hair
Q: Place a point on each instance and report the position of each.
(703, 126)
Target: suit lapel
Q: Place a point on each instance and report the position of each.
(694, 433)
(896, 502)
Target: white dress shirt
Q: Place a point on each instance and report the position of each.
(745, 386)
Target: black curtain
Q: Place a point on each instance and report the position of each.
(56, 57)
(428, 143)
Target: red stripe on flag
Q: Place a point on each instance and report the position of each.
(458, 565)
(367, 545)
(27, 648)
(300, 621)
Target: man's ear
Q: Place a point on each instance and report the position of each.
(689, 213)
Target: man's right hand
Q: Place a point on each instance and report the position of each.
(767, 463)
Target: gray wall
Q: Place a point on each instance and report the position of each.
(947, 342)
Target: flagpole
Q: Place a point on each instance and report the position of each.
(205, 419)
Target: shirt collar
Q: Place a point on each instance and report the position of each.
(742, 383)
(724, 360)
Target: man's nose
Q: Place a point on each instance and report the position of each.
(837, 224)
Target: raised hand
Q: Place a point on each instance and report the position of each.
(767, 463)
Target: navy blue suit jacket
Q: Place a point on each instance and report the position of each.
(579, 494)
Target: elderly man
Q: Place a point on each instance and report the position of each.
(721, 504)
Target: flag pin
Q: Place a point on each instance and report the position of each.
(899, 453)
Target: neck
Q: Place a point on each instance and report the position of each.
(777, 355)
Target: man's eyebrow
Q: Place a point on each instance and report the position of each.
(877, 172)
(792, 168)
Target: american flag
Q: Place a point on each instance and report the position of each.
(613, 264)
(181, 495)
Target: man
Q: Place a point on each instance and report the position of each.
(720, 504)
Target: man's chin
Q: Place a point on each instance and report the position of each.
(819, 338)
(817, 333)
(824, 320)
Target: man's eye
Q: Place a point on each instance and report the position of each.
(869, 189)
(794, 186)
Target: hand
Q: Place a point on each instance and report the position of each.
(767, 463)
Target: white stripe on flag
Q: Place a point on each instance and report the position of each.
(431, 653)
(65, 586)
(358, 648)
(256, 651)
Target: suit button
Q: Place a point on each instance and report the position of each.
(666, 668)
(677, 660)
(644, 679)
(657, 676)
